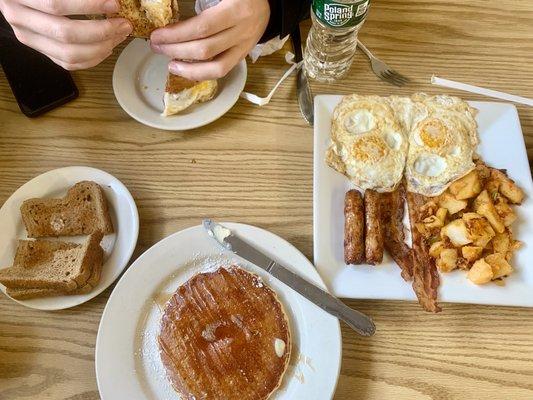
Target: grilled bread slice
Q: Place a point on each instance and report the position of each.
(30, 293)
(82, 211)
(148, 15)
(43, 264)
(181, 93)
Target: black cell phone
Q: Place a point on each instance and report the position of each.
(38, 84)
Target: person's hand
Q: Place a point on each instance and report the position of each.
(73, 44)
(215, 40)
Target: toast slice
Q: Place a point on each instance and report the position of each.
(43, 264)
(181, 93)
(148, 15)
(82, 211)
(31, 293)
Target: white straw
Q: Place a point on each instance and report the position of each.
(435, 80)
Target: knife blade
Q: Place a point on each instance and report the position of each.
(305, 97)
(359, 322)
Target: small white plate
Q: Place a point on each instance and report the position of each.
(139, 81)
(502, 146)
(127, 357)
(118, 247)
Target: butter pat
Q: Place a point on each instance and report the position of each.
(221, 233)
(279, 347)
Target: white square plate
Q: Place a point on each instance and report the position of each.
(502, 146)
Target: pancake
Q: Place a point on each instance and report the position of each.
(224, 335)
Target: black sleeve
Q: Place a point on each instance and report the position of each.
(285, 15)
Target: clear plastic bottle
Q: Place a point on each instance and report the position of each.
(332, 40)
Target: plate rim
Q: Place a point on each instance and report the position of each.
(235, 225)
(128, 251)
(322, 101)
(178, 127)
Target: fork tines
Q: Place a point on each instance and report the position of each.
(394, 77)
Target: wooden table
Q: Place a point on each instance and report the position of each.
(254, 165)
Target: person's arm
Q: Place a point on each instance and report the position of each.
(73, 44)
(285, 15)
(219, 37)
(215, 40)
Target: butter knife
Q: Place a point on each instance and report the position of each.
(305, 97)
(229, 241)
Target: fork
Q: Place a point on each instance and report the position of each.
(382, 70)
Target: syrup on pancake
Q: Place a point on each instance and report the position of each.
(224, 335)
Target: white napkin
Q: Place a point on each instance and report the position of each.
(261, 101)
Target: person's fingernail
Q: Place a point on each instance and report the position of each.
(156, 48)
(111, 6)
(124, 28)
(174, 68)
(119, 40)
(155, 37)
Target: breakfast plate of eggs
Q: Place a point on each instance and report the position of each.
(427, 145)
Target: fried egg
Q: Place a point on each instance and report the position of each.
(174, 102)
(368, 145)
(442, 133)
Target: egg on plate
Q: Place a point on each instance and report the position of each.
(442, 134)
(181, 93)
(368, 144)
(430, 140)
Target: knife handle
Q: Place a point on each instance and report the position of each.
(359, 322)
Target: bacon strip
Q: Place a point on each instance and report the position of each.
(425, 275)
(392, 207)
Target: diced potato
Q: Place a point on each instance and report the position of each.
(505, 212)
(462, 263)
(492, 187)
(480, 273)
(466, 187)
(501, 243)
(457, 232)
(516, 244)
(512, 192)
(483, 206)
(482, 170)
(447, 260)
(447, 201)
(479, 230)
(471, 253)
(424, 231)
(436, 248)
(428, 209)
(507, 187)
(433, 222)
(441, 214)
(500, 266)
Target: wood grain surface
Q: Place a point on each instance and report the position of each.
(254, 166)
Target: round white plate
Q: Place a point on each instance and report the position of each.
(127, 358)
(139, 81)
(118, 247)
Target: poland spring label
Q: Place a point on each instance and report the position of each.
(339, 15)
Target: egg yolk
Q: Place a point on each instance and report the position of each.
(369, 149)
(433, 134)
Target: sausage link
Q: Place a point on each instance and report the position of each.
(354, 244)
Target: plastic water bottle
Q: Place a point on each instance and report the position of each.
(332, 40)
